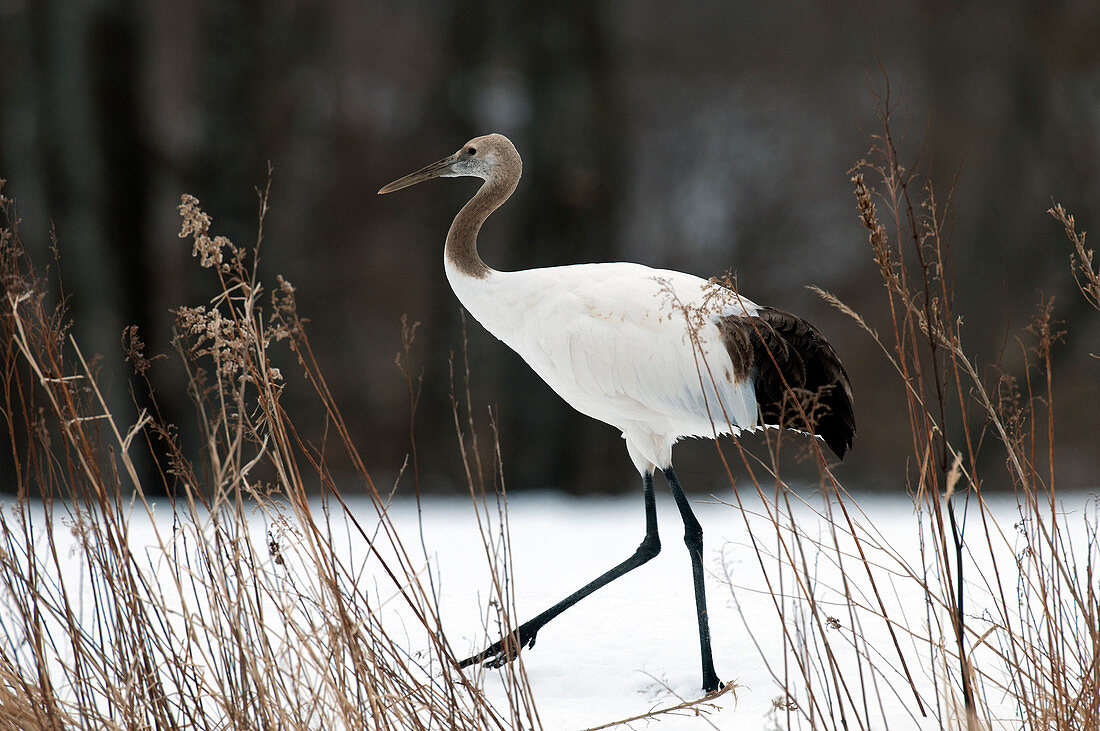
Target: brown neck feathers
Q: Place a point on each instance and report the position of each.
(461, 248)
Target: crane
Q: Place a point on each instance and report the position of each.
(659, 355)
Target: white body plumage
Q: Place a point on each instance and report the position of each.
(634, 347)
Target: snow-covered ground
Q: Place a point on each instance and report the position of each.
(633, 647)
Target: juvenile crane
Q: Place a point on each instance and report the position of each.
(657, 354)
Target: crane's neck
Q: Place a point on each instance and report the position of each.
(461, 251)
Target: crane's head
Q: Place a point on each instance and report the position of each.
(482, 157)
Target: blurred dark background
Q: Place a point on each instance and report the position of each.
(700, 136)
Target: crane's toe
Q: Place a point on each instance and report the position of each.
(504, 650)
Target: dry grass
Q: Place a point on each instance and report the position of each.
(218, 624)
(1035, 637)
(1008, 634)
(221, 625)
(1085, 272)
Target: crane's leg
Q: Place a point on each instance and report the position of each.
(507, 648)
(693, 538)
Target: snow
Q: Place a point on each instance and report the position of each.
(633, 646)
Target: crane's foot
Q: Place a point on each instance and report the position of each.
(504, 650)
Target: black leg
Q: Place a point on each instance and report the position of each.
(693, 538)
(505, 650)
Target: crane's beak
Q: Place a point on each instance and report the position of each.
(435, 170)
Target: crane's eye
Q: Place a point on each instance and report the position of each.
(471, 150)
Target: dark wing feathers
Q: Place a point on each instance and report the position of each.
(774, 347)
